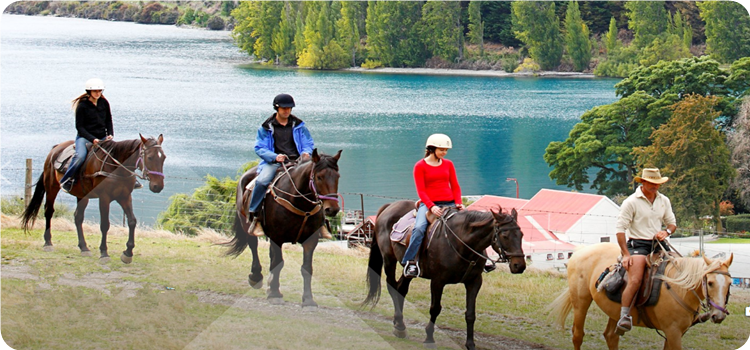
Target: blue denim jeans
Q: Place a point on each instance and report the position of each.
(420, 226)
(264, 179)
(78, 158)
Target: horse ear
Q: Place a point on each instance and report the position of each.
(143, 139)
(706, 259)
(338, 155)
(161, 138)
(514, 213)
(729, 260)
(315, 156)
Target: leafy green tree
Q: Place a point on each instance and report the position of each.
(321, 50)
(348, 27)
(577, 38)
(475, 34)
(610, 41)
(693, 153)
(537, 26)
(738, 141)
(393, 33)
(299, 33)
(283, 38)
(442, 31)
(727, 29)
(647, 19)
(498, 28)
(666, 47)
(256, 21)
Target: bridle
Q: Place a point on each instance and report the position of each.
(317, 201)
(704, 305)
(145, 173)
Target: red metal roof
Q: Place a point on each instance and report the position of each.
(558, 211)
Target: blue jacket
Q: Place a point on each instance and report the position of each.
(264, 147)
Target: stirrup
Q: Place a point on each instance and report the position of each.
(67, 185)
(625, 324)
(411, 270)
(255, 228)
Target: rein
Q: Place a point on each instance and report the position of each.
(142, 152)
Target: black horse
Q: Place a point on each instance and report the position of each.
(455, 255)
(108, 174)
(291, 214)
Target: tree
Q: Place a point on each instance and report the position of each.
(475, 34)
(441, 27)
(738, 141)
(537, 26)
(647, 19)
(498, 28)
(395, 45)
(727, 29)
(610, 41)
(693, 153)
(348, 27)
(283, 38)
(321, 51)
(256, 21)
(577, 38)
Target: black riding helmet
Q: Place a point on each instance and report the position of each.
(283, 100)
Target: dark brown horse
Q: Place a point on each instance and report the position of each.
(108, 174)
(292, 214)
(455, 255)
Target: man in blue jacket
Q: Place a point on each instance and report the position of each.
(281, 138)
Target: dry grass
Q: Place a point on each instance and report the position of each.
(182, 293)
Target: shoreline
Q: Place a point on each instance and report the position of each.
(469, 73)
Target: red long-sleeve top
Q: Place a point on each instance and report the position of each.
(436, 183)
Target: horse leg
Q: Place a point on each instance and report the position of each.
(307, 270)
(256, 277)
(127, 208)
(436, 291)
(610, 335)
(277, 263)
(80, 210)
(398, 291)
(472, 290)
(674, 339)
(49, 210)
(104, 227)
(581, 304)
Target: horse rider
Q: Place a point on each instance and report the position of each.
(281, 138)
(93, 123)
(437, 187)
(642, 215)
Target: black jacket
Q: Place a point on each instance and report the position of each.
(94, 122)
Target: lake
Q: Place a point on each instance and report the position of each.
(195, 87)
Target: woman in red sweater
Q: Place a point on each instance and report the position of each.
(437, 186)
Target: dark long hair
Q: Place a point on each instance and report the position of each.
(429, 150)
(84, 96)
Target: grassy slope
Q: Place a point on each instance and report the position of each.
(50, 311)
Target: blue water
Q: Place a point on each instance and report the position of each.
(196, 88)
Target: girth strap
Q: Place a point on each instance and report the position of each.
(289, 206)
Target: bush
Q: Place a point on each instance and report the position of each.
(370, 64)
(215, 23)
(150, 13)
(738, 223)
(15, 206)
(528, 65)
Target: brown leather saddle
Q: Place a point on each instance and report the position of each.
(614, 279)
(63, 159)
(402, 229)
(246, 194)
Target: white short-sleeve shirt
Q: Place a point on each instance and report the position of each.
(641, 219)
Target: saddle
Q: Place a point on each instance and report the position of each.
(251, 185)
(402, 229)
(614, 279)
(62, 161)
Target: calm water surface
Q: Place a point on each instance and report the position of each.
(197, 89)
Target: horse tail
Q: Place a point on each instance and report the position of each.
(560, 308)
(32, 210)
(241, 238)
(374, 271)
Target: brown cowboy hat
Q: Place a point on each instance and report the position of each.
(652, 175)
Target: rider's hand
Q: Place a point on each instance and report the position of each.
(109, 137)
(305, 156)
(280, 158)
(437, 210)
(460, 206)
(626, 262)
(96, 141)
(661, 235)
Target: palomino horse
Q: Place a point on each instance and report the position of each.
(108, 174)
(454, 256)
(292, 214)
(694, 283)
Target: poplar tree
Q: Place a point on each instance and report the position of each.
(283, 38)
(393, 33)
(647, 19)
(442, 32)
(611, 42)
(577, 38)
(537, 26)
(727, 29)
(348, 27)
(476, 26)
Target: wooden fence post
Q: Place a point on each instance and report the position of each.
(27, 188)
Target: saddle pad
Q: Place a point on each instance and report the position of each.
(63, 159)
(403, 227)
(653, 292)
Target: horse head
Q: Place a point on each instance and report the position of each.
(324, 181)
(507, 240)
(716, 283)
(152, 162)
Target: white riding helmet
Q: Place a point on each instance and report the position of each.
(94, 84)
(439, 141)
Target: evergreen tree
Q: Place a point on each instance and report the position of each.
(299, 33)
(498, 28)
(577, 38)
(476, 26)
(727, 29)
(442, 30)
(395, 45)
(348, 27)
(537, 26)
(266, 21)
(321, 51)
(611, 42)
(647, 19)
(282, 40)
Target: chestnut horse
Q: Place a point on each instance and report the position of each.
(291, 214)
(455, 255)
(109, 174)
(694, 283)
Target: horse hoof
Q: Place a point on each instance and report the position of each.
(429, 345)
(309, 305)
(255, 284)
(104, 260)
(86, 253)
(126, 259)
(399, 333)
(276, 301)
(48, 248)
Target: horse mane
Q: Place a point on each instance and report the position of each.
(119, 149)
(474, 218)
(326, 162)
(690, 271)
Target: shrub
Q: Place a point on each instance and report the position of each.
(370, 64)
(215, 23)
(150, 13)
(15, 206)
(528, 65)
(738, 223)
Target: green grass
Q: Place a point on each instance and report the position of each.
(731, 241)
(48, 313)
